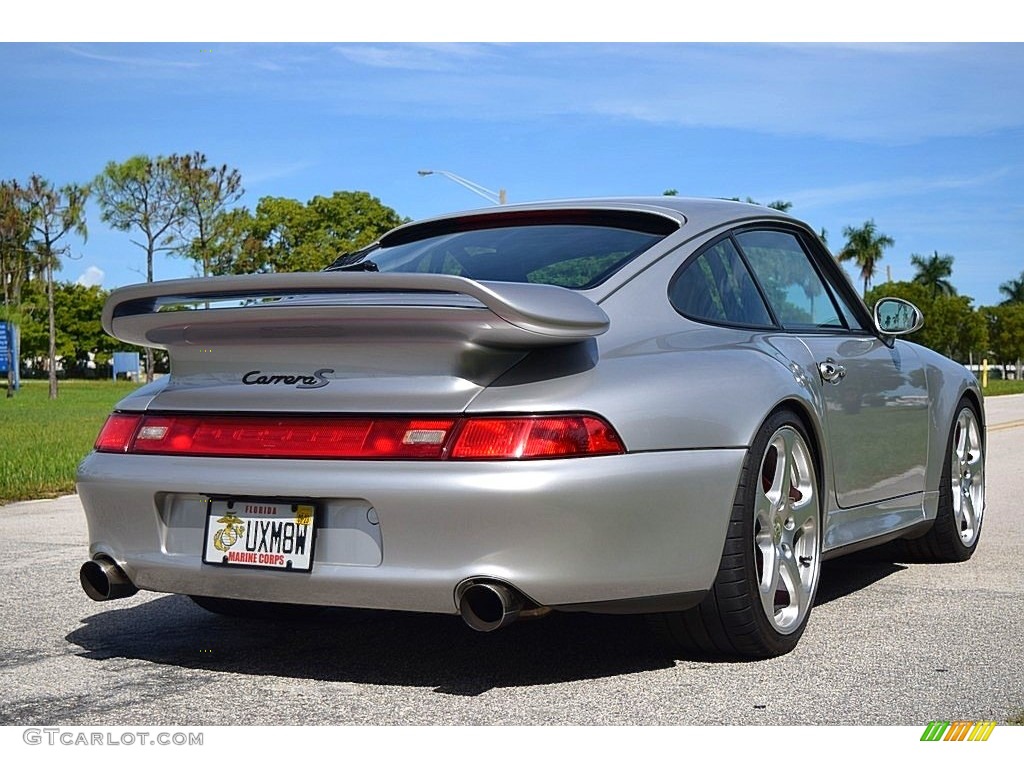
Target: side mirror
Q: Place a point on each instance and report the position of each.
(896, 317)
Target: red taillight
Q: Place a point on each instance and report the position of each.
(291, 437)
(315, 437)
(116, 435)
(537, 437)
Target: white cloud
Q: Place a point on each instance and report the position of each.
(880, 93)
(441, 57)
(132, 61)
(91, 276)
(260, 174)
(891, 188)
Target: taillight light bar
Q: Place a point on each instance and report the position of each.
(117, 433)
(534, 437)
(476, 438)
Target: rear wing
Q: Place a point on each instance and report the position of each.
(329, 305)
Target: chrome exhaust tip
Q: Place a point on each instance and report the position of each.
(487, 606)
(102, 579)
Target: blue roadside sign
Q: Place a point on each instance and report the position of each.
(126, 362)
(9, 343)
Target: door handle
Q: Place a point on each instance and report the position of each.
(831, 371)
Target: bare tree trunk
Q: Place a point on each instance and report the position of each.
(53, 330)
(149, 279)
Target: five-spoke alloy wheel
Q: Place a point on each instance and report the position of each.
(967, 479)
(785, 535)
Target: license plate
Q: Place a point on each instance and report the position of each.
(257, 533)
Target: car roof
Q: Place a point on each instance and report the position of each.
(694, 212)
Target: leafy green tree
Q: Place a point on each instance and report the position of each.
(144, 194)
(957, 330)
(78, 314)
(55, 214)
(80, 337)
(934, 273)
(1013, 290)
(1006, 334)
(208, 191)
(232, 248)
(33, 325)
(286, 236)
(865, 247)
(16, 260)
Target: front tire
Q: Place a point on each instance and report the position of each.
(762, 597)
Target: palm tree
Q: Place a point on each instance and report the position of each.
(933, 273)
(864, 246)
(1014, 290)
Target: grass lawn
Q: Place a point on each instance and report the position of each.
(1001, 387)
(42, 441)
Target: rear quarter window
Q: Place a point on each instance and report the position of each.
(716, 287)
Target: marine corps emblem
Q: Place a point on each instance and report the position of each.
(232, 531)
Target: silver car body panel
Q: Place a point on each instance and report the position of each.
(564, 532)
(877, 418)
(686, 398)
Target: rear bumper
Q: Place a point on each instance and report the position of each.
(402, 535)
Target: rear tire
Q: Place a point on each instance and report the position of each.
(954, 535)
(253, 609)
(762, 597)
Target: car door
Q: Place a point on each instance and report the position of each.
(874, 391)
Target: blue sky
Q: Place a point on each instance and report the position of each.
(924, 138)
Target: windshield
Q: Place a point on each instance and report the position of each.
(568, 255)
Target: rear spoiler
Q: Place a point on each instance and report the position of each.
(330, 304)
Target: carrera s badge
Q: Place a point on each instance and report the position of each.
(300, 381)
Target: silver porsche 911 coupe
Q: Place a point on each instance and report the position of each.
(664, 406)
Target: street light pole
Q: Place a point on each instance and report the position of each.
(495, 198)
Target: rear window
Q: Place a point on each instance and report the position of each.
(572, 255)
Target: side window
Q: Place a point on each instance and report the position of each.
(717, 287)
(797, 295)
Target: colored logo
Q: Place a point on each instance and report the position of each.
(232, 531)
(958, 730)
